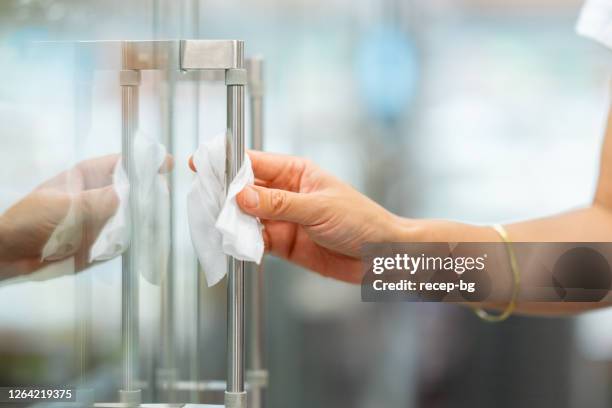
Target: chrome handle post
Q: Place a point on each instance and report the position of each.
(257, 375)
(130, 82)
(235, 80)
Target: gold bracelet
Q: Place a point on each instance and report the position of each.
(483, 314)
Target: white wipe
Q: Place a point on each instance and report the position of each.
(218, 226)
(152, 241)
(114, 236)
(595, 21)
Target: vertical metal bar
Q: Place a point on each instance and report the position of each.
(256, 93)
(83, 81)
(256, 113)
(235, 393)
(257, 374)
(129, 81)
(235, 151)
(167, 372)
(199, 279)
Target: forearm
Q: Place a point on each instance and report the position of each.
(591, 224)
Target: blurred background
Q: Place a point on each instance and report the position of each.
(475, 110)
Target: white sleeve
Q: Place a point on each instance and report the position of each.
(595, 21)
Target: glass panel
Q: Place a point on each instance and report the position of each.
(504, 86)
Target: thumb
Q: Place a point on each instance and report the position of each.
(273, 204)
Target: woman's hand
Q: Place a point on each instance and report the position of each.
(313, 219)
(316, 221)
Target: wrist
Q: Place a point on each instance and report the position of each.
(429, 230)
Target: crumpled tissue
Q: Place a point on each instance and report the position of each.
(217, 225)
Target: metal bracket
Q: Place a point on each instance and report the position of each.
(236, 76)
(257, 378)
(128, 77)
(182, 55)
(235, 399)
(211, 54)
(130, 398)
(255, 77)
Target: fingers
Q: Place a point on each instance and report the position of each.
(98, 205)
(268, 166)
(273, 204)
(85, 175)
(291, 242)
(98, 172)
(258, 182)
(274, 170)
(93, 173)
(278, 170)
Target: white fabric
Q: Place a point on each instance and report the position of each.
(152, 243)
(217, 224)
(114, 236)
(595, 21)
(153, 239)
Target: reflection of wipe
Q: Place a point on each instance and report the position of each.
(152, 213)
(153, 209)
(114, 236)
(217, 225)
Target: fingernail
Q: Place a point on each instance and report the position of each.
(250, 197)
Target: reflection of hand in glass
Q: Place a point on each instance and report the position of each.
(25, 228)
